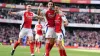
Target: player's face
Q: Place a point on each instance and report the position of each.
(28, 7)
(50, 5)
(56, 8)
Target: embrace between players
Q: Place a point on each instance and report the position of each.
(55, 21)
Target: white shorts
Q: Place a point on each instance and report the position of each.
(50, 32)
(59, 36)
(25, 32)
(38, 37)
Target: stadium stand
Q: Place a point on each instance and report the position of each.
(73, 17)
(8, 31)
(84, 37)
(83, 17)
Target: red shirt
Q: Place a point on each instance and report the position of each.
(50, 17)
(27, 18)
(38, 29)
(58, 23)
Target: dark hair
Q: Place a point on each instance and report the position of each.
(57, 5)
(27, 4)
(50, 1)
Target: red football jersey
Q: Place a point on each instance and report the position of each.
(49, 17)
(38, 29)
(58, 23)
(27, 18)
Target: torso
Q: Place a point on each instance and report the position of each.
(39, 29)
(58, 23)
(28, 19)
(50, 17)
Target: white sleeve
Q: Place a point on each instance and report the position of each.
(63, 18)
(61, 13)
(20, 13)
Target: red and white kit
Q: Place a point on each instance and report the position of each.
(59, 25)
(50, 22)
(26, 24)
(39, 33)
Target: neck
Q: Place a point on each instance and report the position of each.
(57, 12)
(28, 10)
(50, 8)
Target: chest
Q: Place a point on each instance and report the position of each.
(58, 18)
(28, 15)
(38, 26)
(50, 14)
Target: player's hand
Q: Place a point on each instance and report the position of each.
(65, 24)
(40, 5)
(9, 12)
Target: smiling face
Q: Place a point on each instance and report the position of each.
(28, 7)
(57, 8)
(50, 5)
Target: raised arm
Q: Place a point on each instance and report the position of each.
(41, 12)
(17, 13)
(12, 13)
(39, 9)
(38, 17)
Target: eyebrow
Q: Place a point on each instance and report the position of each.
(51, 4)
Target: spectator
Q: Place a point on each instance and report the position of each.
(8, 31)
(83, 37)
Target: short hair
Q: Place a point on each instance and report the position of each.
(50, 1)
(57, 5)
(28, 5)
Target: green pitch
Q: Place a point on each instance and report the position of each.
(5, 51)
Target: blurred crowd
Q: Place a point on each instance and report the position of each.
(8, 32)
(66, 5)
(83, 17)
(73, 17)
(82, 37)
